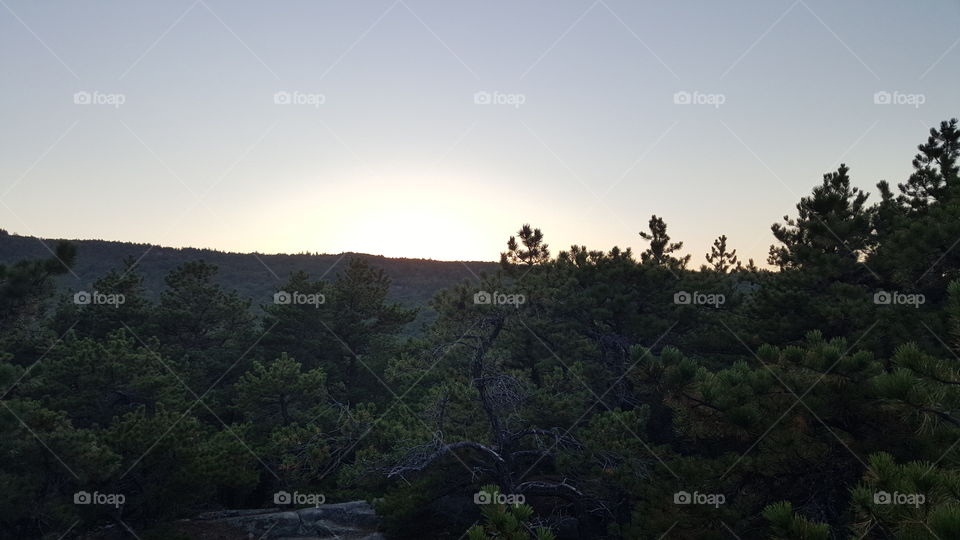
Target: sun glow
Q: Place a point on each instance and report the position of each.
(396, 217)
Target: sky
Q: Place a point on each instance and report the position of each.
(436, 128)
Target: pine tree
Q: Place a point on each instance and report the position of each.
(25, 287)
(203, 328)
(935, 168)
(506, 521)
(720, 259)
(532, 253)
(97, 380)
(129, 307)
(832, 230)
(918, 231)
(786, 525)
(365, 325)
(917, 499)
(280, 390)
(661, 250)
(348, 330)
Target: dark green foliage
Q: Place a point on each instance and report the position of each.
(255, 276)
(831, 232)
(786, 525)
(172, 462)
(280, 391)
(917, 229)
(205, 330)
(97, 320)
(661, 250)
(721, 260)
(601, 396)
(912, 500)
(935, 169)
(508, 521)
(96, 380)
(25, 287)
(26, 281)
(533, 252)
(347, 330)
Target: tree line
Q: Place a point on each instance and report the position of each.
(587, 394)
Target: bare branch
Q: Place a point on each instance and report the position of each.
(552, 489)
(419, 460)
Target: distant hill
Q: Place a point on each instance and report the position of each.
(252, 275)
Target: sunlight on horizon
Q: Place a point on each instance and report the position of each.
(403, 215)
(316, 132)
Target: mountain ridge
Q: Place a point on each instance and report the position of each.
(253, 275)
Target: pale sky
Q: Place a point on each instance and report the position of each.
(161, 122)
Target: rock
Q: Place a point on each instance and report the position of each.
(354, 520)
(356, 513)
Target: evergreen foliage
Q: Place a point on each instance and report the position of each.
(583, 395)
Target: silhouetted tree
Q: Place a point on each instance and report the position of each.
(935, 168)
(832, 230)
(661, 250)
(720, 259)
(533, 251)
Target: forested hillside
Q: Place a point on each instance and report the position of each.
(581, 393)
(254, 276)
